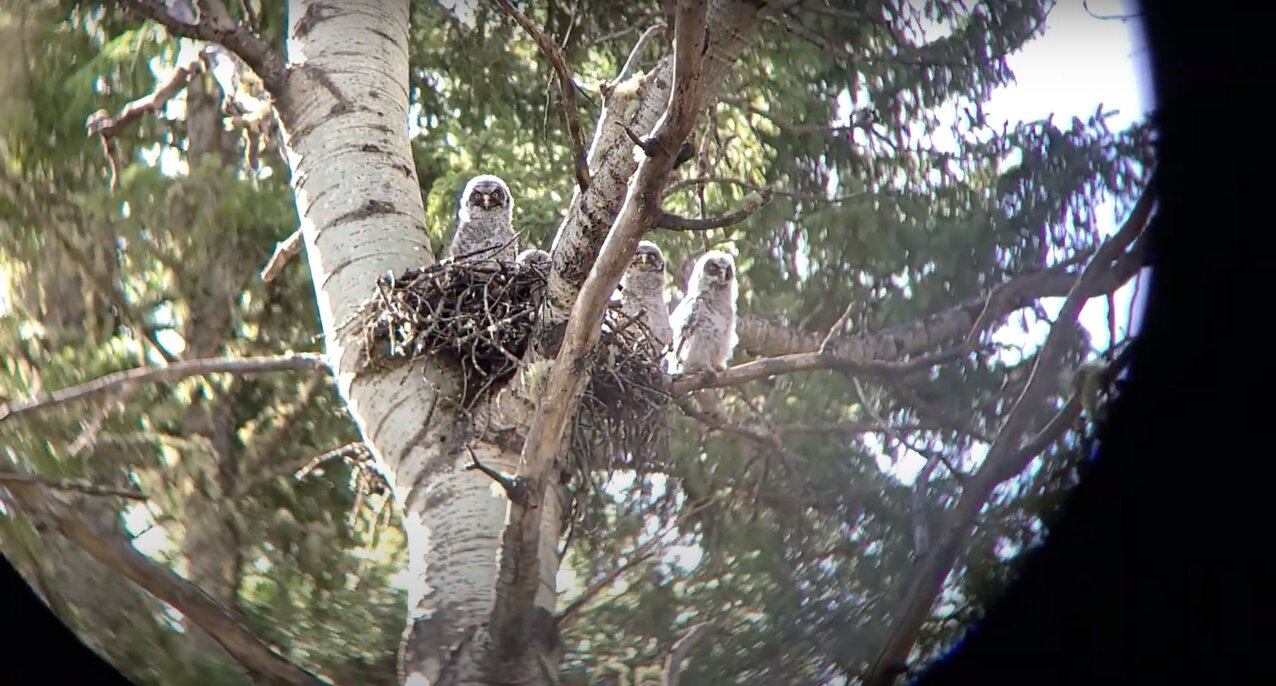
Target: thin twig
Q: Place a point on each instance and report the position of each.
(638, 555)
(627, 70)
(752, 203)
(307, 362)
(566, 84)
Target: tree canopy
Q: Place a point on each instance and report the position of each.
(144, 187)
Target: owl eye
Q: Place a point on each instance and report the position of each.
(712, 269)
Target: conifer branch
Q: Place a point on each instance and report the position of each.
(78, 485)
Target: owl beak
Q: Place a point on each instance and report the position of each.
(487, 201)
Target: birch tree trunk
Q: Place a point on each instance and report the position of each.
(344, 114)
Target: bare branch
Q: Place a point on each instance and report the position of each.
(752, 203)
(217, 27)
(512, 486)
(79, 485)
(628, 69)
(565, 82)
(638, 105)
(1006, 457)
(101, 123)
(673, 664)
(355, 449)
(285, 250)
(961, 322)
(264, 665)
(178, 370)
(802, 362)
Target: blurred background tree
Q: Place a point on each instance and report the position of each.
(791, 526)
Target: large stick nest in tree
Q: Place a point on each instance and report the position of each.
(479, 317)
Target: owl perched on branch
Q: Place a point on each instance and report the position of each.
(642, 293)
(704, 322)
(485, 229)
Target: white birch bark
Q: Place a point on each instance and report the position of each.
(360, 208)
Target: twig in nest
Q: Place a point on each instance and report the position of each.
(475, 315)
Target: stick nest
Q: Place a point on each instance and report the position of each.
(479, 317)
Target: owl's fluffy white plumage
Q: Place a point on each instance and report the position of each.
(703, 324)
(485, 221)
(642, 292)
(535, 257)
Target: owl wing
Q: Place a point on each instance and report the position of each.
(685, 318)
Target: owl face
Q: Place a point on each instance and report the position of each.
(485, 193)
(647, 259)
(715, 268)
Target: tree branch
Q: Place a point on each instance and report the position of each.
(802, 362)
(218, 27)
(264, 665)
(100, 123)
(752, 203)
(628, 69)
(566, 84)
(78, 485)
(961, 322)
(177, 370)
(636, 103)
(1005, 458)
(285, 250)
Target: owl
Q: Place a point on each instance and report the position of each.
(704, 322)
(535, 258)
(642, 293)
(485, 229)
